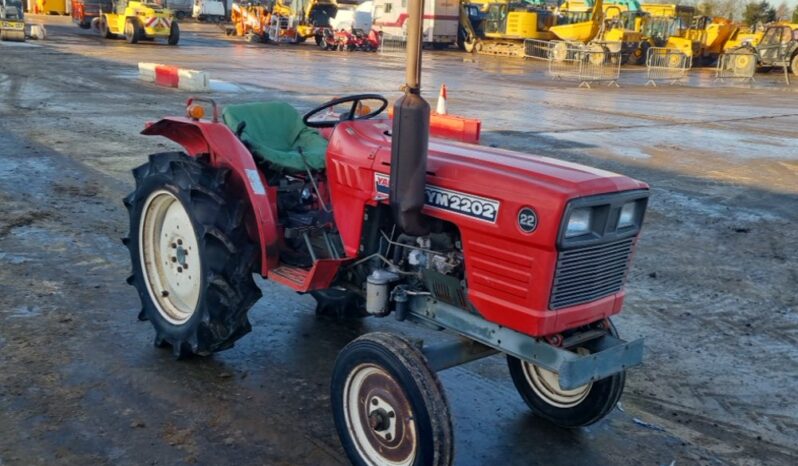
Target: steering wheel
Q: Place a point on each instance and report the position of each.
(351, 115)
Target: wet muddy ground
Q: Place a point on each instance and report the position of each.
(714, 288)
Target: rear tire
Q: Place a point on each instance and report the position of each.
(133, 31)
(388, 405)
(211, 255)
(174, 34)
(566, 408)
(794, 64)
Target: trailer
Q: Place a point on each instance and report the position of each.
(84, 11)
(441, 20)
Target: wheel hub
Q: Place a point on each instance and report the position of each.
(547, 385)
(380, 417)
(169, 253)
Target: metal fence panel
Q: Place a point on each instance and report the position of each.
(739, 64)
(393, 45)
(577, 62)
(664, 64)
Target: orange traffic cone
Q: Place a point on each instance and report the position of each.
(441, 108)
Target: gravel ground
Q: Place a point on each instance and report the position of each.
(713, 287)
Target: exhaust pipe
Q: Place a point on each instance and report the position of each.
(410, 140)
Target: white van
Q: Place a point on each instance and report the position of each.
(441, 20)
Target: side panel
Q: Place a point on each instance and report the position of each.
(226, 151)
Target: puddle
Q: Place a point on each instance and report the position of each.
(26, 312)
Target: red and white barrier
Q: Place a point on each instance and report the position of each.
(172, 76)
(443, 125)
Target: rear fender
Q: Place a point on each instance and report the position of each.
(226, 151)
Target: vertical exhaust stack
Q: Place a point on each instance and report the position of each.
(410, 140)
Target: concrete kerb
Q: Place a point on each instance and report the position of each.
(171, 76)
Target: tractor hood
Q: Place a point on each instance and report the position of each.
(486, 171)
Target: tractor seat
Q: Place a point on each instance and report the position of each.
(276, 136)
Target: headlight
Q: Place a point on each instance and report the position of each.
(579, 222)
(628, 215)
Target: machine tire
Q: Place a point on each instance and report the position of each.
(85, 24)
(133, 31)
(173, 189)
(174, 34)
(105, 31)
(794, 64)
(403, 385)
(590, 406)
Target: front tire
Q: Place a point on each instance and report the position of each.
(192, 258)
(133, 31)
(388, 405)
(174, 34)
(794, 64)
(105, 31)
(579, 407)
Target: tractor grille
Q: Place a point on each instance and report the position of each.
(590, 273)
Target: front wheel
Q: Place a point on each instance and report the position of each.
(133, 31)
(577, 407)
(174, 34)
(191, 256)
(388, 405)
(794, 64)
(105, 31)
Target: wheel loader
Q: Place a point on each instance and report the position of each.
(491, 251)
(137, 21)
(12, 21)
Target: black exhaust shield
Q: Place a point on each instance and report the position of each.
(409, 162)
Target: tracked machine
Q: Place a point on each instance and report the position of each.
(492, 251)
(500, 27)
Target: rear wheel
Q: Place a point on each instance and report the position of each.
(174, 34)
(794, 64)
(192, 258)
(388, 405)
(133, 31)
(577, 407)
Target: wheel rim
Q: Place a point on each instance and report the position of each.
(546, 384)
(379, 417)
(169, 254)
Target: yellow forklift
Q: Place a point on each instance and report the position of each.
(137, 21)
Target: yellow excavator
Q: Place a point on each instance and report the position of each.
(312, 16)
(499, 27)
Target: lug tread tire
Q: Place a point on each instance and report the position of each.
(407, 364)
(228, 255)
(602, 399)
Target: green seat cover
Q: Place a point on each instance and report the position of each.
(275, 134)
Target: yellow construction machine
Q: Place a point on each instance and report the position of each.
(578, 24)
(309, 17)
(12, 21)
(499, 27)
(704, 40)
(138, 21)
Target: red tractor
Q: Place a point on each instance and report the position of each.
(509, 252)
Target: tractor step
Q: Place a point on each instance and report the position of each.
(307, 279)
